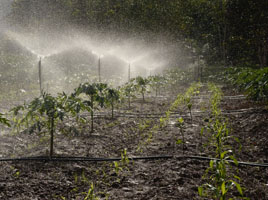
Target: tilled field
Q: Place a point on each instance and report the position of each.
(172, 177)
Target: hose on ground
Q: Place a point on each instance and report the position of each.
(160, 157)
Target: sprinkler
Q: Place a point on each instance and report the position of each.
(99, 68)
(99, 64)
(40, 74)
(129, 72)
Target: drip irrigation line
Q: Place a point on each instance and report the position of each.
(80, 159)
(176, 114)
(161, 157)
(237, 97)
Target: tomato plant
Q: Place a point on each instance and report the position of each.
(112, 96)
(96, 94)
(156, 82)
(47, 107)
(142, 86)
(128, 90)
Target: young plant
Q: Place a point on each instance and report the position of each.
(220, 183)
(181, 127)
(123, 163)
(96, 94)
(189, 106)
(156, 82)
(128, 90)
(3, 120)
(220, 180)
(112, 97)
(142, 86)
(90, 194)
(47, 107)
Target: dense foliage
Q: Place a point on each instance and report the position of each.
(253, 81)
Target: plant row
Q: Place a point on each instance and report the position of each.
(220, 180)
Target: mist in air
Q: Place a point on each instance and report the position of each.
(70, 54)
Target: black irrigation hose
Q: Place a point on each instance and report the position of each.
(88, 159)
(80, 159)
(176, 114)
(237, 97)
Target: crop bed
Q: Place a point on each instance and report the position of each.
(126, 136)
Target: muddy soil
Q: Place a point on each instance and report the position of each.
(130, 130)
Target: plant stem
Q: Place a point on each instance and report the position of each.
(129, 102)
(91, 112)
(112, 109)
(51, 136)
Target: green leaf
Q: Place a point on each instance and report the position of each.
(180, 120)
(202, 131)
(238, 187)
(234, 159)
(223, 189)
(200, 191)
(179, 141)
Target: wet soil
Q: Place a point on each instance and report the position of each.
(130, 130)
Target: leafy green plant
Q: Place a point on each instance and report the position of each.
(96, 94)
(220, 183)
(156, 82)
(90, 194)
(128, 90)
(112, 96)
(142, 86)
(46, 108)
(254, 82)
(181, 126)
(123, 163)
(189, 106)
(4, 121)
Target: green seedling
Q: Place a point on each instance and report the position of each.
(90, 194)
(219, 180)
(189, 106)
(181, 127)
(117, 167)
(4, 121)
(123, 163)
